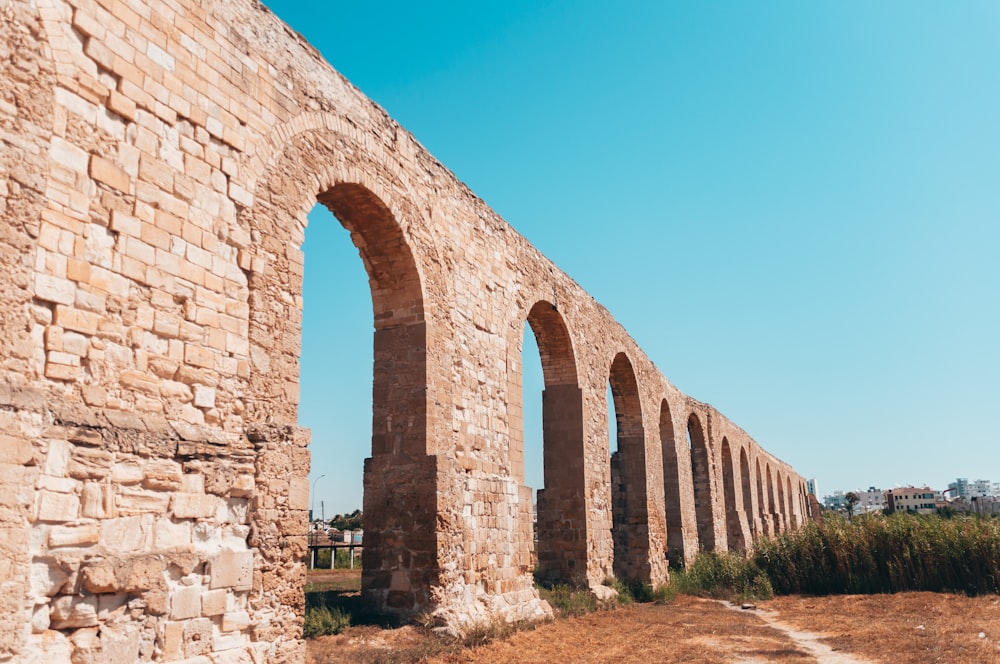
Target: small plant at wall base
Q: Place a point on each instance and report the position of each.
(322, 620)
(719, 576)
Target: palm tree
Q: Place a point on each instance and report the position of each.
(851, 499)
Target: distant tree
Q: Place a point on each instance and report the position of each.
(350, 521)
(850, 500)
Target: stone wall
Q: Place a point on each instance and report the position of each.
(157, 163)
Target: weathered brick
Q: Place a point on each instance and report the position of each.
(106, 171)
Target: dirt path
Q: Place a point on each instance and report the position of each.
(807, 641)
(910, 628)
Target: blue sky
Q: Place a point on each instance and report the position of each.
(793, 207)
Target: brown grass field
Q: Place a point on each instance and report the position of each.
(907, 628)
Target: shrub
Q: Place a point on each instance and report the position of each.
(321, 620)
(721, 576)
(569, 601)
(879, 553)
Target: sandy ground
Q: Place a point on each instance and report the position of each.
(908, 628)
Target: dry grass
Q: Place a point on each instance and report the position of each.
(887, 628)
(876, 628)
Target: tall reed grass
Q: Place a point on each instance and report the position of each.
(876, 553)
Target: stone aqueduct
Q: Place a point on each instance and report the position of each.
(158, 163)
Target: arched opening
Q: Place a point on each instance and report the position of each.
(560, 521)
(765, 520)
(702, 484)
(671, 488)
(747, 491)
(399, 503)
(399, 513)
(782, 505)
(338, 413)
(734, 531)
(630, 526)
(793, 507)
(771, 511)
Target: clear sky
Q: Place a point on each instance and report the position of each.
(793, 207)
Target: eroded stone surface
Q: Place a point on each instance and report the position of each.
(157, 162)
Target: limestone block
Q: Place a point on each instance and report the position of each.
(125, 534)
(298, 493)
(47, 577)
(231, 569)
(111, 606)
(40, 618)
(185, 602)
(70, 611)
(194, 505)
(172, 535)
(173, 641)
(90, 463)
(47, 648)
(193, 483)
(15, 450)
(197, 637)
(162, 474)
(127, 471)
(235, 621)
(57, 506)
(120, 644)
(76, 535)
(213, 602)
(204, 396)
(225, 642)
(99, 577)
(141, 573)
(231, 649)
(242, 486)
(58, 484)
(97, 501)
(138, 501)
(207, 538)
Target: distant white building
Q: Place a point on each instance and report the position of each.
(811, 488)
(872, 500)
(966, 490)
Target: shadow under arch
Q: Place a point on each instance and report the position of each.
(782, 511)
(734, 532)
(702, 484)
(629, 500)
(562, 514)
(745, 481)
(772, 511)
(671, 487)
(765, 521)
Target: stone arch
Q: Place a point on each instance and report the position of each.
(793, 504)
(734, 532)
(399, 561)
(671, 486)
(772, 509)
(762, 501)
(561, 517)
(782, 507)
(630, 511)
(745, 483)
(700, 472)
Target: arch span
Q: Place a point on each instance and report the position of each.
(561, 519)
(700, 473)
(630, 511)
